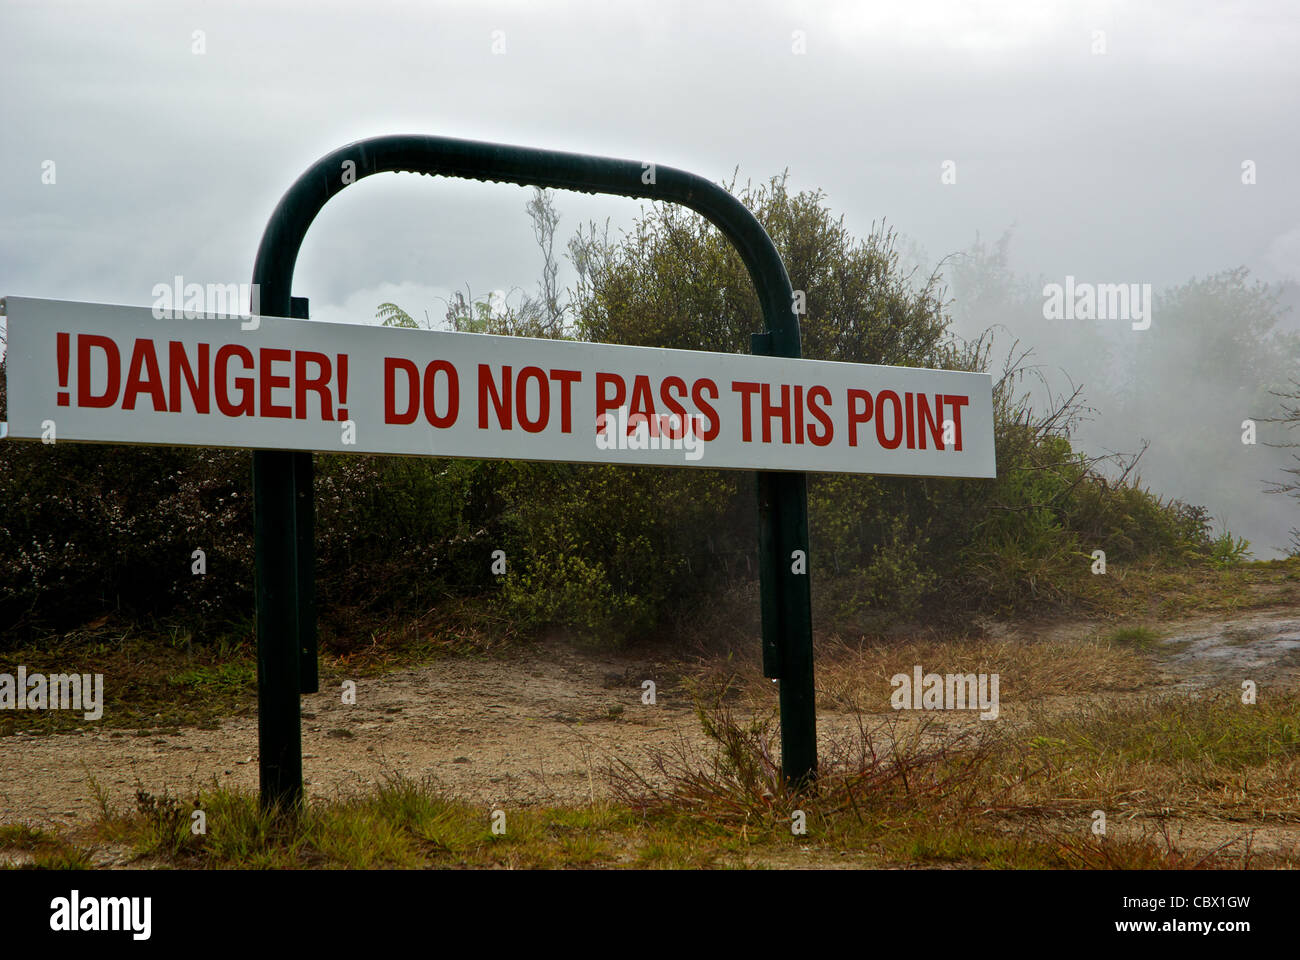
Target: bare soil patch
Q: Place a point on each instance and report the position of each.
(543, 723)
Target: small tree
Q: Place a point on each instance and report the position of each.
(1290, 416)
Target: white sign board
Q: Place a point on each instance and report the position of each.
(114, 374)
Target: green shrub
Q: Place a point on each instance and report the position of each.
(88, 530)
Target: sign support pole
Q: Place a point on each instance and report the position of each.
(304, 515)
(787, 616)
(286, 620)
(279, 725)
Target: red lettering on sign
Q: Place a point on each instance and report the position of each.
(395, 365)
(642, 407)
(532, 424)
(816, 397)
(956, 402)
(391, 366)
(747, 389)
(675, 424)
(61, 351)
(144, 361)
(267, 356)
(244, 384)
(883, 397)
(604, 400)
(931, 421)
(453, 394)
(282, 383)
(319, 384)
(500, 401)
(699, 388)
(85, 343)
(342, 370)
(779, 411)
(566, 379)
(196, 377)
(856, 416)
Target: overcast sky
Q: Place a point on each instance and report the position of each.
(1110, 135)
(1121, 166)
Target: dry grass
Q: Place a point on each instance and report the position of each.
(1185, 783)
(853, 676)
(857, 675)
(1208, 757)
(1152, 590)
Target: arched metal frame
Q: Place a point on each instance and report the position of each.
(282, 480)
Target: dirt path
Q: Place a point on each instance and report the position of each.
(542, 725)
(537, 727)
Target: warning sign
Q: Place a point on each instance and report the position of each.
(112, 374)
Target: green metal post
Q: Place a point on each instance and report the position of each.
(279, 648)
(279, 726)
(304, 476)
(785, 604)
(783, 512)
(783, 530)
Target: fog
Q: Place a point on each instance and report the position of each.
(1178, 392)
(1014, 145)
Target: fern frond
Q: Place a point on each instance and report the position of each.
(391, 315)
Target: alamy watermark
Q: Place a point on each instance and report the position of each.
(1098, 301)
(621, 431)
(190, 300)
(953, 691)
(75, 913)
(56, 691)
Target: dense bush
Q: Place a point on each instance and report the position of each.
(87, 530)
